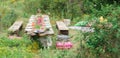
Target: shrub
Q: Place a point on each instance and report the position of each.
(7, 18)
(105, 39)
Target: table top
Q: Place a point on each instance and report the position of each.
(30, 30)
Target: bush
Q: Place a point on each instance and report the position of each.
(105, 39)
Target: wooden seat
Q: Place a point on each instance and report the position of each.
(15, 28)
(63, 29)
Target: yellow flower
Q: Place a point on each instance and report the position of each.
(101, 19)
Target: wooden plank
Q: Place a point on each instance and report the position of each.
(63, 29)
(16, 26)
(47, 25)
(29, 27)
(61, 25)
(46, 21)
(84, 29)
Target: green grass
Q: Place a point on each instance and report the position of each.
(17, 48)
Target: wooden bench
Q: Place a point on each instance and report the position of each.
(17, 25)
(63, 29)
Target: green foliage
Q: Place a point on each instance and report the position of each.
(81, 23)
(12, 43)
(7, 52)
(8, 19)
(61, 8)
(17, 48)
(105, 39)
